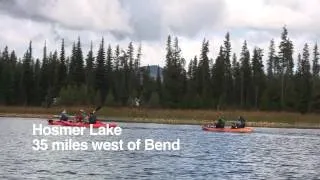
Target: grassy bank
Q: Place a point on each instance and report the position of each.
(170, 116)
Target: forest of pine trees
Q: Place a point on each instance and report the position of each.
(114, 77)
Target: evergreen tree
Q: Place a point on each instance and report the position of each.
(138, 59)
(245, 76)
(137, 71)
(226, 83)
(80, 72)
(304, 82)
(73, 65)
(27, 77)
(62, 72)
(124, 77)
(131, 73)
(315, 62)
(315, 79)
(37, 88)
(218, 77)
(236, 74)
(258, 76)
(227, 66)
(271, 60)
(90, 69)
(286, 65)
(7, 77)
(109, 67)
(100, 80)
(117, 75)
(11, 96)
(55, 66)
(44, 74)
(204, 74)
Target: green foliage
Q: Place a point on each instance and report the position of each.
(110, 101)
(98, 99)
(100, 80)
(154, 100)
(74, 95)
(114, 77)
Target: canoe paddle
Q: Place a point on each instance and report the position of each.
(97, 109)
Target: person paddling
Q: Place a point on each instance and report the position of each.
(220, 123)
(92, 118)
(81, 116)
(240, 123)
(64, 116)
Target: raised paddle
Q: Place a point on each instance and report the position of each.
(97, 109)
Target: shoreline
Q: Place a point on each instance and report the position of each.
(297, 125)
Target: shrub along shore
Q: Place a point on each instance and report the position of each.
(174, 116)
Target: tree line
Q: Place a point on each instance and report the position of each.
(114, 77)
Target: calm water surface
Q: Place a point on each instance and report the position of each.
(264, 154)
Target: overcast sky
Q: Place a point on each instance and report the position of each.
(150, 21)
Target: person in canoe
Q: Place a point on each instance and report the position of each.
(81, 116)
(220, 123)
(240, 123)
(92, 118)
(64, 116)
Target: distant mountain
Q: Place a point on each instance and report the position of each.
(154, 71)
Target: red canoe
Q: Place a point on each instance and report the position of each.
(80, 124)
(232, 130)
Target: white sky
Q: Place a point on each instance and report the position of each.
(150, 22)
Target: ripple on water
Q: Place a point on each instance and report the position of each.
(265, 154)
(66, 172)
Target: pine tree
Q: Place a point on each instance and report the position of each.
(100, 79)
(130, 56)
(258, 76)
(7, 77)
(109, 67)
(227, 66)
(131, 73)
(73, 65)
(174, 76)
(18, 94)
(218, 72)
(55, 65)
(304, 82)
(79, 72)
(236, 74)
(124, 77)
(137, 61)
(137, 71)
(62, 72)
(271, 60)
(12, 98)
(315, 79)
(37, 88)
(315, 62)
(286, 65)
(27, 77)
(204, 73)
(44, 84)
(168, 73)
(90, 76)
(192, 89)
(245, 76)
(116, 74)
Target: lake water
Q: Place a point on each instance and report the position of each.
(264, 154)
